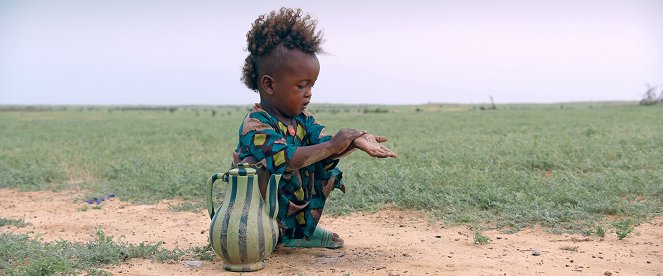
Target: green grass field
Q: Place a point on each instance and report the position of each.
(565, 168)
(571, 167)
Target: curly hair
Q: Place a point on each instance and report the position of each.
(276, 33)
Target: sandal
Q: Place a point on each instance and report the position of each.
(321, 238)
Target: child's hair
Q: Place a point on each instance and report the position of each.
(277, 31)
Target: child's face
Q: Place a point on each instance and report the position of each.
(291, 89)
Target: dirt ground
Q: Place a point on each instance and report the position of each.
(389, 242)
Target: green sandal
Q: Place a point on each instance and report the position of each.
(321, 238)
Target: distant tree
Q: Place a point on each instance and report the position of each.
(649, 97)
(492, 103)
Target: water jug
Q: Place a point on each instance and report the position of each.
(244, 230)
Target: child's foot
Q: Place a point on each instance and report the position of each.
(321, 237)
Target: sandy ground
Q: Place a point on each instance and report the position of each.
(389, 242)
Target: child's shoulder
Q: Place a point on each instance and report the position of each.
(257, 119)
(259, 113)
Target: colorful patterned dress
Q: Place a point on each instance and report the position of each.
(302, 193)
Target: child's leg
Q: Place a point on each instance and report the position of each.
(321, 237)
(310, 215)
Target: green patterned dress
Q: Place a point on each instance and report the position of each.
(302, 193)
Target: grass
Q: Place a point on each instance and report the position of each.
(569, 248)
(192, 206)
(15, 222)
(623, 228)
(21, 255)
(566, 167)
(481, 239)
(600, 231)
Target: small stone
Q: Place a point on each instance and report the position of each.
(649, 262)
(571, 261)
(393, 273)
(193, 264)
(536, 252)
(438, 236)
(607, 273)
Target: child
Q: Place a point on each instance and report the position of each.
(282, 135)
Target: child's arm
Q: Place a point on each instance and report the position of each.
(351, 148)
(308, 155)
(368, 143)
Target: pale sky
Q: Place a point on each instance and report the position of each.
(382, 52)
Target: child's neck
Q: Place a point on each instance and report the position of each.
(274, 112)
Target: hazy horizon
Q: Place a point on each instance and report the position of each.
(156, 53)
(318, 104)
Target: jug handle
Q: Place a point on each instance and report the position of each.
(210, 184)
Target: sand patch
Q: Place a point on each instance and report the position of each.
(389, 242)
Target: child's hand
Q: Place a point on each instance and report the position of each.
(371, 145)
(342, 140)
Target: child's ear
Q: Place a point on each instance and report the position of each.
(267, 84)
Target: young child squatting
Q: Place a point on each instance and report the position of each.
(282, 135)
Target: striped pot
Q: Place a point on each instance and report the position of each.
(244, 230)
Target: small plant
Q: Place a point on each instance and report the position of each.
(569, 248)
(186, 207)
(480, 239)
(624, 228)
(600, 231)
(15, 222)
(204, 253)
